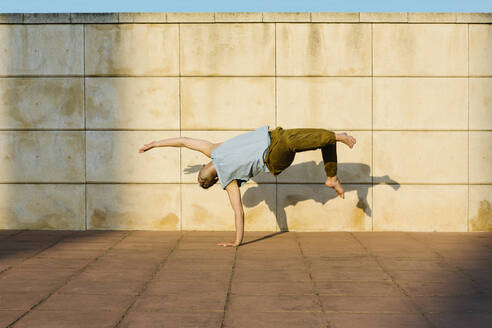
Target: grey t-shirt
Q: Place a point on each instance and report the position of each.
(241, 157)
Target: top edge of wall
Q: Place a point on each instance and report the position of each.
(244, 17)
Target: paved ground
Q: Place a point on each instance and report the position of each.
(167, 279)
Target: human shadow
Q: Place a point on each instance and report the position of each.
(354, 176)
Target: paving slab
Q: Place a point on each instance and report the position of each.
(183, 279)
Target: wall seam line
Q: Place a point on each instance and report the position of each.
(468, 134)
(372, 128)
(277, 227)
(179, 121)
(86, 209)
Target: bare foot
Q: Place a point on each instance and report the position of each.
(346, 139)
(334, 183)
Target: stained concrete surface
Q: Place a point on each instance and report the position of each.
(283, 279)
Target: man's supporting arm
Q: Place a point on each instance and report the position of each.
(204, 146)
(235, 199)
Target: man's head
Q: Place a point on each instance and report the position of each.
(207, 176)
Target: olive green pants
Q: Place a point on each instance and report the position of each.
(286, 143)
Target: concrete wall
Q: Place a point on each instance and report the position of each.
(80, 93)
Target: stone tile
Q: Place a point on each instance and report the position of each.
(480, 49)
(323, 49)
(191, 161)
(184, 319)
(8, 316)
(241, 319)
(336, 17)
(202, 207)
(432, 17)
(455, 304)
(480, 157)
(427, 288)
(414, 208)
(273, 303)
(132, 49)
(92, 303)
(41, 103)
(357, 288)
(190, 17)
(421, 103)
(333, 103)
(227, 49)
(41, 50)
(76, 318)
(142, 17)
(106, 150)
(378, 304)
(455, 320)
(343, 274)
(19, 301)
(140, 206)
(42, 156)
(238, 17)
(132, 103)
(168, 274)
(42, 265)
(347, 264)
(474, 17)
(17, 285)
(381, 17)
(396, 264)
(163, 287)
(227, 102)
(46, 18)
(286, 17)
(354, 165)
(94, 18)
(284, 275)
(444, 276)
(271, 288)
(480, 212)
(181, 303)
(62, 206)
(311, 207)
(481, 103)
(379, 320)
(441, 156)
(11, 18)
(267, 263)
(420, 49)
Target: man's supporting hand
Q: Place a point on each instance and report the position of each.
(226, 244)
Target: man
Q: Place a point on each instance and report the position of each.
(238, 159)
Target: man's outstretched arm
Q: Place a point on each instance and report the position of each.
(235, 199)
(204, 146)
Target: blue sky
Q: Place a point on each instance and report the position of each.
(26, 6)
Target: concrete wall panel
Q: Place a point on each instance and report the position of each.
(480, 156)
(420, 49)
(132, 49)
(42, 206)
(315, 207)
(210, 209)
(41, 49)
(133, 206)
(42, 156)
(132, 103)
(480, 208)
(420, 103)
(227, 49)
(112, 156)
(324, 49)
(420, 208)
(421, 157)
(321, 102)
(27, 103)
(480, 49)
(227, 102)
(481, 103)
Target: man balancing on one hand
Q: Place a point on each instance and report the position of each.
(238, 159)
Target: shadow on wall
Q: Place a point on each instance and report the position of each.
(249, 200)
